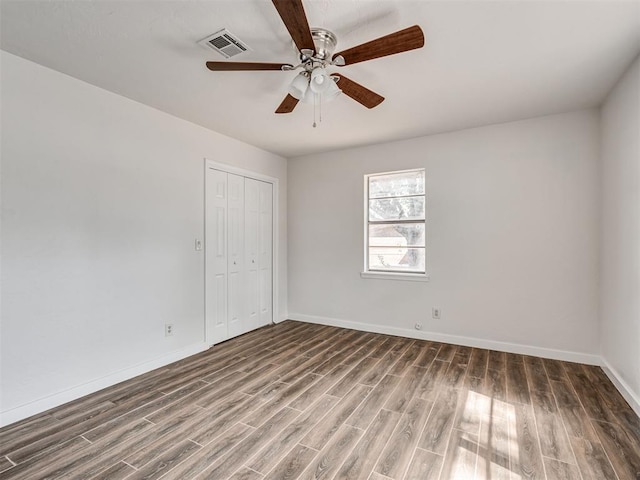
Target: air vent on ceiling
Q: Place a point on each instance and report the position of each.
(225, 43)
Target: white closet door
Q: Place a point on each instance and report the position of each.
(235, 260)
(251, 222)
(238, 254)
(265, 252)
(216, 255)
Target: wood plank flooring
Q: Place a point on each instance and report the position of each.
(302, 401)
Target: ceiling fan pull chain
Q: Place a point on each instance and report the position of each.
(315, 99)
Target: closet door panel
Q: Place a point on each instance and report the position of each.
(235, 265)
(216, 256)
(265, 252)
(252, 213)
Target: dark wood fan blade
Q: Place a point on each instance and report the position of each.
(294, 18)
(236, 66)
(398, 42)
(287, 105)
(359, 93)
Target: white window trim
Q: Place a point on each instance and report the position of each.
(410, 277)
(377, 274)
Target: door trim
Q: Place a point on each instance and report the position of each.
(275, 201)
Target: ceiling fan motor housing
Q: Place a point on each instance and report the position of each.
(325, 43)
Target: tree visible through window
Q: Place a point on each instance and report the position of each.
(395, 230)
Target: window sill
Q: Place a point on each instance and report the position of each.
(410, 277)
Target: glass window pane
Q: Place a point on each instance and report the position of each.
(396, 184)
(404, 208)
(397, 259)
(397, 235)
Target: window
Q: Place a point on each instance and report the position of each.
(395, 224)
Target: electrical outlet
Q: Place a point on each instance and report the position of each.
(435, 313)
(198, 245)
(418, 325)
(168, 329)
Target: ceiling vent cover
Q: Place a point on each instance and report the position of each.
(225, 43)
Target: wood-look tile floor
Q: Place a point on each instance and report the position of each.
(307, 401)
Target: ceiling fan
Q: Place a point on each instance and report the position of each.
(316, 48)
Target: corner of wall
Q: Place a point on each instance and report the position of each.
(618, 282)
(623, 387)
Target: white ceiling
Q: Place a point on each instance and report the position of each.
(484, 61)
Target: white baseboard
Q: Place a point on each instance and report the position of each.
(38, 406)
(578, 357)
(625, 390)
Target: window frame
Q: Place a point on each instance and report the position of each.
(391, 275)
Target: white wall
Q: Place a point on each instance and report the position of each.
(620, 241)
(102, 199)
(512, 244)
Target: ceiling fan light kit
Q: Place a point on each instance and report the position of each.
(316, 48)
(317, 86)
(299, 85)
(319, 81)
